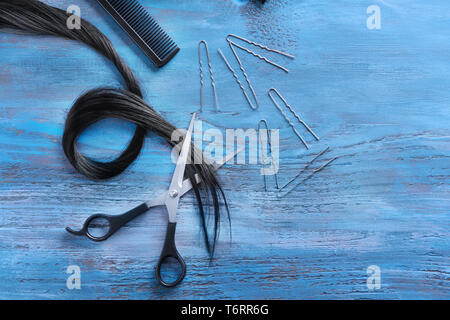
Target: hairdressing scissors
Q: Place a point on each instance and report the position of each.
(107, 225)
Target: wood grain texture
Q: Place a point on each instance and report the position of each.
(379, 98)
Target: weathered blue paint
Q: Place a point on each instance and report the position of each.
(379, 98)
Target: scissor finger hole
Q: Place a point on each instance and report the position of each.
(170, 270)
(98, 227)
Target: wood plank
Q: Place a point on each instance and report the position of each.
(379, 98)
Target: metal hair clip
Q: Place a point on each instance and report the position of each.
(263, 154)
(241, 66)
(261, 46)
(213, 84)
(239, 82)
(294, 113)
(281, 192)
(256, 55)
(231, 42)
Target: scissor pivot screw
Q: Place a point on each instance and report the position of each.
(174, 193)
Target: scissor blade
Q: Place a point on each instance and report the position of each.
(187, 185)
(217, 165)
(176, 185)
(178, 175)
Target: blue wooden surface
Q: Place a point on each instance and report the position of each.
(379, 98)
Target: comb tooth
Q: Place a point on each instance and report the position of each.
(162, 45)
(149, 20)
(149, 28)
(157, 30)
(170, 50)
(145, 33)
(156, 43)
(137, 17)
(158, 48)
(140, 20)
(154, 26)
(166, 45)
(169, 45)
(152, 40)
(120, 5)
(144, 30)
(164, 52)
(156, 36)
(128, 11)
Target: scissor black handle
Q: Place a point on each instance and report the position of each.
(170, 251)
(114, 223)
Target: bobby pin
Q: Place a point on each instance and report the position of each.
(237, 80)
(294, 113)
(263, 155)
(261, 46)
(213, 84)
(281, 192)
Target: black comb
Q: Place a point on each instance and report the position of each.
(143, 29)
